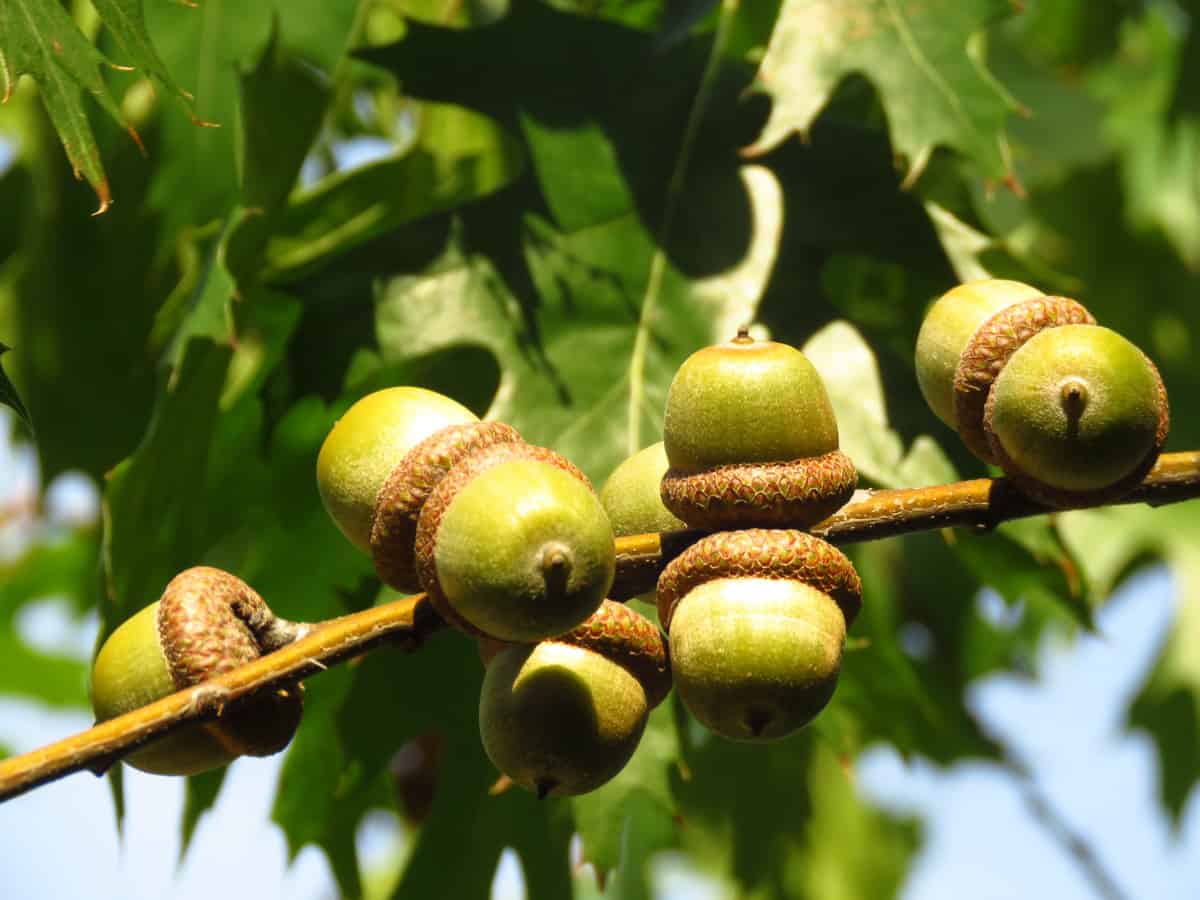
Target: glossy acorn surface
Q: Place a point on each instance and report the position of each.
(756, 658)
(564, 716)
(746, 401)
(367, 442)
(1078, 409)
(948, 326)
(757, 621)
(752, 440)
(631, 496)
(515, 544)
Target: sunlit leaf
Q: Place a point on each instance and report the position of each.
(935, 91)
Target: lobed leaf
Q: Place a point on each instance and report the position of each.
(934, 90)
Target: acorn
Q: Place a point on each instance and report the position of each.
(1077, 413)
(631, 494)
(206, 623)
(757, 621)
(513, 543)
(564, 716)
(632, 499)
(367, 442)
(946, 329)
(1069, 410)
(752, 439)
(408, 486)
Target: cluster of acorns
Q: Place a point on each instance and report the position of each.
(512, 545)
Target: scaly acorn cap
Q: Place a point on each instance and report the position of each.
(565, 715)
(515, 591)
(991, 347)
(206, 623)
(798, 493)
(1079, 414)
(761, 553)
(629, 639)
(752, 439)
(408, 486)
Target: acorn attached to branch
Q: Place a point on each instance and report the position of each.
(752, 439)
(408, 486)
(757, 621)
(564, 716)
(1069, 410)
(513, 543)
(367, 442)
(206, 623)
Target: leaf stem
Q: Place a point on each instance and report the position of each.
(981, 503)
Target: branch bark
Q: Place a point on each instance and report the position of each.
(981, 503)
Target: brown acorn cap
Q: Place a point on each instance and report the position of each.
(1060, 497)
(439, 501)
(210, 622)
(761, 553)
(797, 493)
(990, 347)
(629, 639)
(408, 486)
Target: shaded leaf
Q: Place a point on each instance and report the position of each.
(588, 373)
(626, 820)
(934, 90)
(459, 157)
(8, 393)
(851, 377)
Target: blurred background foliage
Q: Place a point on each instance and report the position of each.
(540, 209)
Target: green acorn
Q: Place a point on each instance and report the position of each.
(752, 439)
(206, 623)
(564, 716)
(757, 621)
(367, 442)
(514, 544)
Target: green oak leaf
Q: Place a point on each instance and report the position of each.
(1159, 143)
(917, 54)
(38, 38)
(458, 156)
(198, 177)
(587, 373)
(623, 822)
(8, 393)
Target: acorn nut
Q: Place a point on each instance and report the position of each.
(752, 439)
(564, 716)
(1069, 410)
(206, 623)
(367, 442)
(1077, 413)
(632, 499)
(514, 544)
(757, 621)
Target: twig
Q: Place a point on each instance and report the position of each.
(405, 622)
(1073, 843)
(870, 515)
